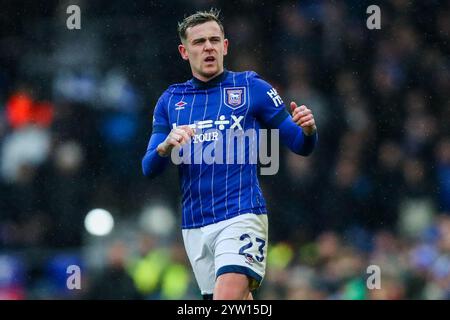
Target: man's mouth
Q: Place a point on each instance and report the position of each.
(210, 59)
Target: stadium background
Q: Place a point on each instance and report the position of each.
(75, 118)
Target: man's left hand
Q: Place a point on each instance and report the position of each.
(304, 118)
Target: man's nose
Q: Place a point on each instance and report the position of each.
(208, 45)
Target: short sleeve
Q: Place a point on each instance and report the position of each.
(160, 117)
(268, 107)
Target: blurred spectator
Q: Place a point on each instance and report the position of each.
(114, 282)
(417, 208)
(443, 173)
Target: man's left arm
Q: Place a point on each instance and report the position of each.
(298, 132)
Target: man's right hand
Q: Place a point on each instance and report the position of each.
(176, 138)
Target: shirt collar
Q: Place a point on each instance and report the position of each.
(210, 83)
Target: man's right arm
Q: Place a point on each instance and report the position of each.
(162, 141)
(154, 163)
(160, 147)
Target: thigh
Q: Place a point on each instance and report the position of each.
(201, 259)
(241, 247)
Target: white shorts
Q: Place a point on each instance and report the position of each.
(236, 245)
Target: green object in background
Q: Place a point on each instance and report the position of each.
(148, 271)
(280, 255)
(355, 290)
(175, 282)
(308, 254)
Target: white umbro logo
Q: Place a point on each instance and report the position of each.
(180, 105)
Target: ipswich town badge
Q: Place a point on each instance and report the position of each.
(234, 97)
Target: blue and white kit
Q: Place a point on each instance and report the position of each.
(220, 192)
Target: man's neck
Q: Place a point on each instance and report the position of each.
(211, 81)
(206, 79)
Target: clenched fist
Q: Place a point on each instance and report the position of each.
(304, 118)
(176, 138)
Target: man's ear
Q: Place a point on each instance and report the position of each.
(225, 47)
(183, 52)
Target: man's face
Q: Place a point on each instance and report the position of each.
(204, 47)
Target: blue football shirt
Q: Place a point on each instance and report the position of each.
(230, 103)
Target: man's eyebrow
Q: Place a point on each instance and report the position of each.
(202, 39)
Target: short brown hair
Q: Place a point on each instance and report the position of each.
(198, 18)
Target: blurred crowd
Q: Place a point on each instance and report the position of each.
(75, 118)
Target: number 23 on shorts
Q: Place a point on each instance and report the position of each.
(261, 243)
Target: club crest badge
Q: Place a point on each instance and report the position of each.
(234, 97)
